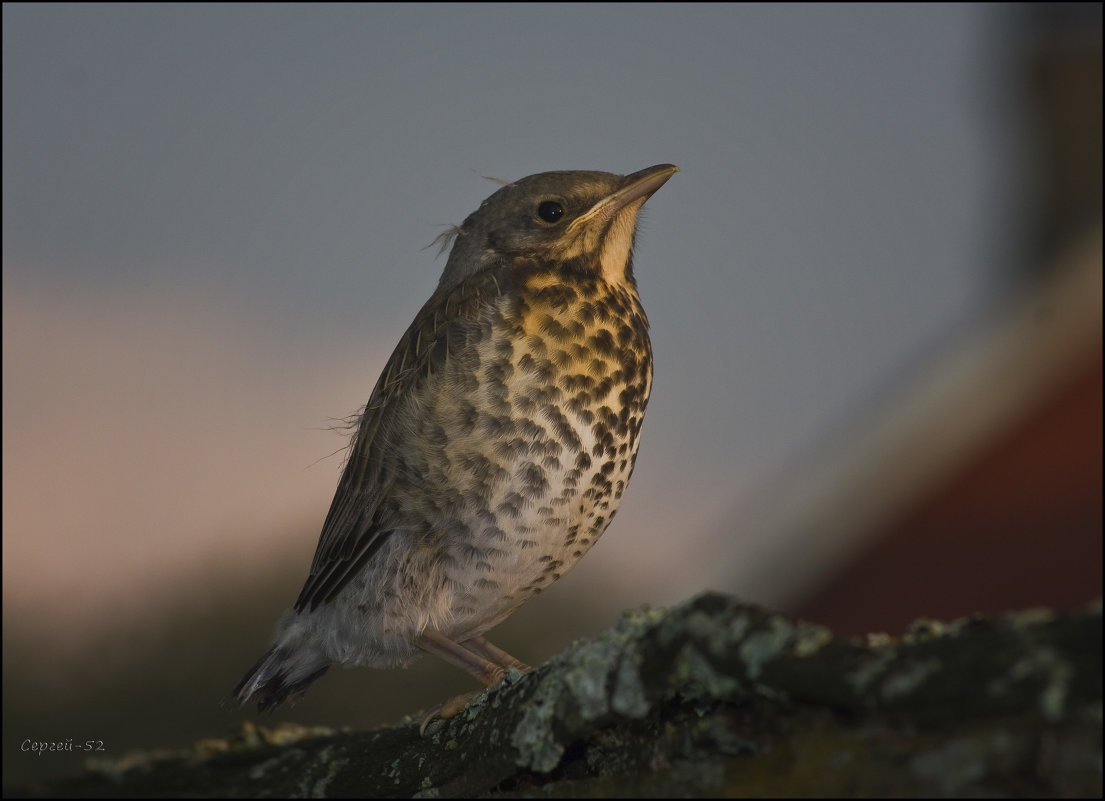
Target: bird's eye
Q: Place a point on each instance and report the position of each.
(550, 211)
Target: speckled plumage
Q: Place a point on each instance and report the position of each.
(497, 443)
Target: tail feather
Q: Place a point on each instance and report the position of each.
(274, 680)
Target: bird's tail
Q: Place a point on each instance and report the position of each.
(277, 677)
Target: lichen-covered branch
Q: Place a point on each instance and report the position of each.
(718, 697)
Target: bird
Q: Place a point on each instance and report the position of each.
(495, 447)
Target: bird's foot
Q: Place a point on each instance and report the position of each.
(477, 656)
(446, 709)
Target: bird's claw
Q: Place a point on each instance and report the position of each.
(446, 709)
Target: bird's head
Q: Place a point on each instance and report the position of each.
(586, 218)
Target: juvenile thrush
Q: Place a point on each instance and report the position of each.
(495, 447)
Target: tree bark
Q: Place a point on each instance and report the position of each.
(712, 697)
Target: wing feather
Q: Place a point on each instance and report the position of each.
(352, 532)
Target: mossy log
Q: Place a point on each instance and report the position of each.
(712, 697)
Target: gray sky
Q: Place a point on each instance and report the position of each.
(214, 220)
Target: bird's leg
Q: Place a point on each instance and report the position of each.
(481, 646)
(484, 669)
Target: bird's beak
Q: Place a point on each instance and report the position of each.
(638, 186)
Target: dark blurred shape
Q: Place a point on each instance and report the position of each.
(1061, 102)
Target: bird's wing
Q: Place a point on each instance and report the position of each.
(352, 531)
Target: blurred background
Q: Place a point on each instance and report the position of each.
(874, 288)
